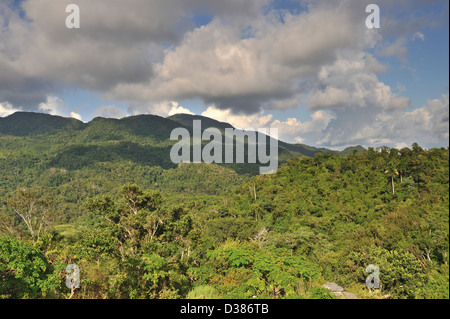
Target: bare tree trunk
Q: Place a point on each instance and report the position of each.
(393, 188)
(27, 220)
(252, 191)
(428, 253)
(72, 291)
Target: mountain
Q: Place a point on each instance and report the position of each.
(27, 124)
(33, 146)
(66, 154)
(144, 140)
(187, 120)
(140, 126)
(134, 127)
(108, 198)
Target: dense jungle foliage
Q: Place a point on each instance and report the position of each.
(105, 197)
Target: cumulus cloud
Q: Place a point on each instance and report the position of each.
(427, 125)
(6, 109)
(179, 110)
(349, 83)
(56, 106)
(110, 111)
(397, 49)
(161, 108)
(76, 116)
(239, 121)
(117, 43)
(293, 130)
(419, 35)
(216, 64)
(250, 60)
(53, 106)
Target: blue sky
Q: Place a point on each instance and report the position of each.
(426, 75)
(307, 67)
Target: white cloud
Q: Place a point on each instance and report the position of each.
(53, 106)
(215, 64)
(110, 111)
(293, 130)
(160, 108)
(76, 116)
(299, 140)
(246, 62)
(393, 126)
(419, 35)
(56, 106)
(401, 145)
(328, 98)
(241, 121)
(427, 125)
(7, 109)
(397, 49)
(178, 109)
(117, 42)
(348, 83)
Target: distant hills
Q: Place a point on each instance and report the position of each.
(70, 160)
(110, 199)
(27, 123)
(156, 127)
(70, 144)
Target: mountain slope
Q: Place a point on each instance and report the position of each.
(70, 144)
(299, 149)
(27, 124)
(187, 120)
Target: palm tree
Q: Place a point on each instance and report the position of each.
(391, 172)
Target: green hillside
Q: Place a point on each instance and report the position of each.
(105, 196)
(28, 124)
(32, 144)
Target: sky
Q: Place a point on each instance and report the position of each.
(310, 68)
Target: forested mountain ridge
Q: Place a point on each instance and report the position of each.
(38, 124)
(53, 150)
(28, 123)
(103, 198)
(32, 124)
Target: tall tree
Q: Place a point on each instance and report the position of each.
(34, 211)
(391, 172)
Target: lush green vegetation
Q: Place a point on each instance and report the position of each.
(104, 196)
